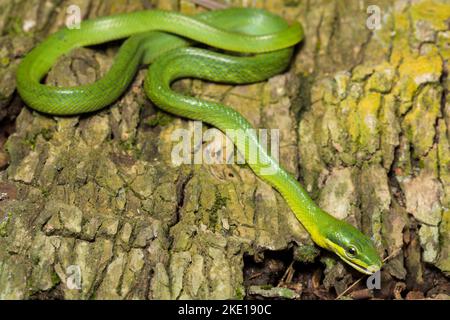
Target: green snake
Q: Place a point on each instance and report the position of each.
(254, 45)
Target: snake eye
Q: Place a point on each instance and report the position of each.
(351, 251)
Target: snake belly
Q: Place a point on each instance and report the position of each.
(262, 44)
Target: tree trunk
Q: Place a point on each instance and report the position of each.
(363, 121)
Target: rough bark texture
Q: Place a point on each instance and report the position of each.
(364, 121)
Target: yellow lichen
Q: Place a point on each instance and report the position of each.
(433, 12)
(422, 69)
(400, 45)
(362, 122)
(367, 111)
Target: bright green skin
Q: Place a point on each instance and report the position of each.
(267, 36)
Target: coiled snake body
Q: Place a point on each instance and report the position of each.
(164, 40)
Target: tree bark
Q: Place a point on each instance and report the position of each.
(363, 120)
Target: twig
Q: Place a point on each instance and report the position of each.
(288, 270)
(348, 289)
(361, 294)
(392, 255)
(255, 275)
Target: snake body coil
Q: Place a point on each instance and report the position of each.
(164, 40)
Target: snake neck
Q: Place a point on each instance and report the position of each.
(312, 217)
(316, 221)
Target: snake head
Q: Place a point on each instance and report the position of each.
(352, 246)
